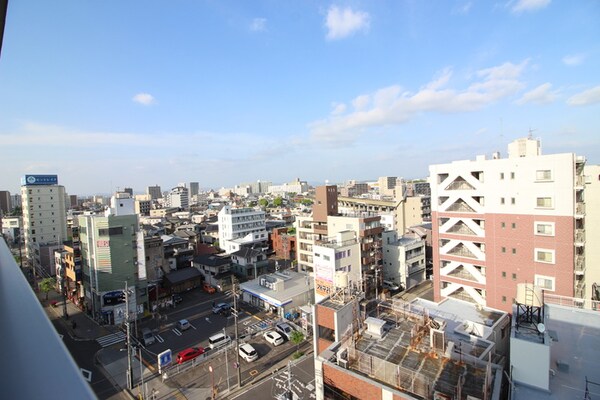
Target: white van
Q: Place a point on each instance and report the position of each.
(390, 285)
(147, 337)
(218, 340)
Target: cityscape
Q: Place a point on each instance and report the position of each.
(344, 200)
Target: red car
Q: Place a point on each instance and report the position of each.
(189, 354)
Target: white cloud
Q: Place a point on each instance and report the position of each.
(573, 59)
(540, 95)
(392, 106)
(338, 108)
(463, 9)
(342, 23)
(145, 99)
(520, 6)
(587, 97)
(258, 25)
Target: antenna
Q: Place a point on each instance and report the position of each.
(530, 136)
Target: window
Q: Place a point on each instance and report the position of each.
(545, 256)
(504, 274)
(512, 175)
(325, 257)
(543, 175)
(544, 202)
(501, 175)
(545, 282)
(544, 228)
(514, 251)
(503, 249)
(514, 225)
(503, 224)
(513, 201)
(514, 276)
(501, 200)
(504, 299)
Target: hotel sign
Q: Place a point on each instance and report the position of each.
(28, 180)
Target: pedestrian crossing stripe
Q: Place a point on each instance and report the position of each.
(159, 338)
(111, 339)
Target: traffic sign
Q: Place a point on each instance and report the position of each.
(164, 359)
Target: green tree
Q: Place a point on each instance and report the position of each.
(297, 337)
(291, 231)
(46, 285)
(307, 202)
(263, 202)
(278, 201)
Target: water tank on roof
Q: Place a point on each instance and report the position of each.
(530, 295)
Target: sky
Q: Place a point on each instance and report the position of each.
(114, 94)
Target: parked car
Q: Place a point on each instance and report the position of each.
(390, 285)
(177, 298)
(218, 340)
(183, 324)
(147, 337)
(221, 308)
(208, 288)
(189, 354)
(274, 338)
(248, 352)
(284, 329)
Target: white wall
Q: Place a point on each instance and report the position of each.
(530, 363)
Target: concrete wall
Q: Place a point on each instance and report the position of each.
(530, 363)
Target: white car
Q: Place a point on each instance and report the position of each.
(183, 324)
(274, 338)
(248, 353)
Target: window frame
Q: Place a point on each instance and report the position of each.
(544, 223)
(537, 202)
(552, 279)
(550, 251)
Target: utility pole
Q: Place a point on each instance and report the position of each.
(237, 340)
(129, 366)
(226, 363)
(290, 395)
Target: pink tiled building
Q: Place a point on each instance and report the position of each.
(502, 221)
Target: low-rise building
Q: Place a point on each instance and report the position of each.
(215, 269)
(248, 263)
(403, 259)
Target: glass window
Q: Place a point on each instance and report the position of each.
(543, 175)
(545, 256)
(545, 282)
(544, 202)
(544, 228)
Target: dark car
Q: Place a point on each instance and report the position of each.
(221, 308)
(189, 354)
(177, 298)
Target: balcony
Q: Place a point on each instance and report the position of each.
(579, 209)
(580, 289)
(40, 364)
(579, 237)
(579, 265)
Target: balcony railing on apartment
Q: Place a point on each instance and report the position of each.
(461, 229)
(565, 301)
(460, 207)
(580, 208)
(461, 274)
(579, 236)
(579, 264)
(580, 289)
(461, 252)
(40, 364)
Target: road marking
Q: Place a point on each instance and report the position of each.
(208, 320)
(159, 338)
(87, 375)
(193, 326)
(111, 339)
(254, 316)
(253, 372)
(176, 331)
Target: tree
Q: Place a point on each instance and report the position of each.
(297, 337)
(278, 201)
(46, 285)
(263, 202)
(307, 202)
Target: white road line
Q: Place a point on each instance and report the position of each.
(193, 326)
(159, 338)
(87, 375)
(176, 331)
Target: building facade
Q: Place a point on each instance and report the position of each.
(241, 227)
(403, 259)
(44, 218)
(499, 222)
(154, 192)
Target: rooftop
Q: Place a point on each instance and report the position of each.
(294, 285)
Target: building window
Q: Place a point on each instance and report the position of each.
(501, 175)
(513, 201)
(504, 299)
(503, 225)
(544, 202)
(543, 175)
(544, 228)
(514, 225)
(504, 274)
(514, 276)
(501, 200)
(503, 249)
(512, 175)
(545, 282)
(545, 256)
(514, 251)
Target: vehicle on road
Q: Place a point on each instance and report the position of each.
(221, 308)
(183, 324)
(284, 329)
(208, 288)
(147, 337)
(189, 354)
(218, 340)
(274, 338)
(248, 352)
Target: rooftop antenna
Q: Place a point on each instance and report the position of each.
(530, 136)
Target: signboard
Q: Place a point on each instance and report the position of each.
(164, 360)
(39, 180)
(323, 287)
(102, 243)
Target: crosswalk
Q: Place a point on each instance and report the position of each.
(111, 339)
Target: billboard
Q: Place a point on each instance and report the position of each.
(39, 180)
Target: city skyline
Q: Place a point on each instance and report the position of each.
(135, 94)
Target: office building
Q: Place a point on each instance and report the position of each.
(113, 254)
(178, 197)
(194, 189)
(503, 221)
(154, 192)
(44, 219)
(387, 185)
(5, 202)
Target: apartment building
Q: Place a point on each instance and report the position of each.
(353, 189)
(403, 259)
(592, 231)
(5, 202)
(387, 185)
(241, 227)
(503, 221)
(44, 219)
(179, 197)
(154, 192)
(297, 186)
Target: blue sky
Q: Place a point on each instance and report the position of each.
(113, 94)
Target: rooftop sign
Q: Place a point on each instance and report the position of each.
(39, 180)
